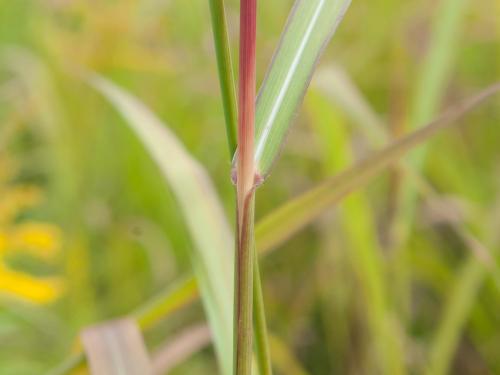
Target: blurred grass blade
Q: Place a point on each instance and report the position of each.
(294, 215)
(275, 228)
(116, 348)
(457, 310)
(174, 297)
(431, 85)
(437, 65)
(338, 86)
(308, 30)
(365, 252)
(200, 207)
(171, 299)
(181, 347)
(462, 299)
(283, 358)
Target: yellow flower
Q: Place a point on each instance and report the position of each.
(41, 240)
(34, 289)
(38, 239)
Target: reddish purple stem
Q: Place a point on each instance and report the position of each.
(246, 120)
(245, 195)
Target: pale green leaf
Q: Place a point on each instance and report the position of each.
(200, 207)
(308, 30)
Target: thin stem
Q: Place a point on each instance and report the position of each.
(260, 326)
(243, 275)
(225, 68)
(243, 291)
(246, 101)
(226, 78)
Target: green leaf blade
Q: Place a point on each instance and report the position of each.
(198, 202)
(310, 26)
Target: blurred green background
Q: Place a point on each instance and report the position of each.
(89, 230)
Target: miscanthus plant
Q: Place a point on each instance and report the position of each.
(256, 124)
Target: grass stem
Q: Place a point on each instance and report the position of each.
(243, 290)
(245, 194)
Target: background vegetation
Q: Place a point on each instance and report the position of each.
(402, 277)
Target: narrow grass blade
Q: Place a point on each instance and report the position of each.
(261, 336)
(116, 348)
(431, 85)
(199, 205)
(364, 253)
(334, 83)
(226, 75)
(464, 296)
(308, 30)
(294, 215)
(457, 310)
(430, 89)
(437, 66)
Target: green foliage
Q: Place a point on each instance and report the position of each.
(309, 28)
(387, 267)
(199, 205)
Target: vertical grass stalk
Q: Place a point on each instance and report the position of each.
(243, 291)
(225, 68)
(226, 78)
(245, 178)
